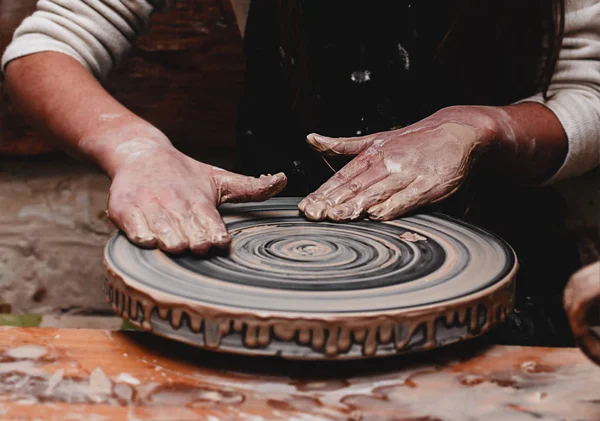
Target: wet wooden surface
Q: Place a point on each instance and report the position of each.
(71, 374)
(185, 77)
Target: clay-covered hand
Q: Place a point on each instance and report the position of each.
(397, 171)
(582, 305)
(161, 197)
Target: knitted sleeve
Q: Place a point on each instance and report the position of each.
(97, 33)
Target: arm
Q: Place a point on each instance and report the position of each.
(158, 196)
(397, 171)
(575, 89)
(533, 141)
(51, 63)
(61, 97)
(530, 143)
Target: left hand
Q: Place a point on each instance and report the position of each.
(398, 171)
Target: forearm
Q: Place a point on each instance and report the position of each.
(531, 143)
(524, 142)
(64, 100)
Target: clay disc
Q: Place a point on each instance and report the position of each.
(301, 289)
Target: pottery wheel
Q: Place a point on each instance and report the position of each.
(301, 289)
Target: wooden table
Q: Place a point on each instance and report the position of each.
(78, 374)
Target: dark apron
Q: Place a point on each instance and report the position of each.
(374, 66)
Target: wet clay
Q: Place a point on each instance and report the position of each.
(297, 289)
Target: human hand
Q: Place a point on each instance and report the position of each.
(398, 171)
(162, 197)
(582, 305)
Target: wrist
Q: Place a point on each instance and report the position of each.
(124, 144)
(487, 122)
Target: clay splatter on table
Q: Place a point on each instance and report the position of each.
(88, 374)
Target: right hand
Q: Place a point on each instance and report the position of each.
(166, 199)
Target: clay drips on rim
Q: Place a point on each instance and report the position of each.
(332, 335)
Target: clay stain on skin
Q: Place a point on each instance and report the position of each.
(109, 117)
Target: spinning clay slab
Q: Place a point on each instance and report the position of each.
(311, 290)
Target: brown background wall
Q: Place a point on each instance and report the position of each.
(185, 77)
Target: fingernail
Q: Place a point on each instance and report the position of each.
(311, 199)
(145, 239)
(375, 213)
(201, 247)
(139, 231)
(319, 138)
(170, 242)
(221, 239)
(302, 206)
(315, 211)
(276, 179)
(321, 143)
(143, 233)
(341, 213)
(384, 213)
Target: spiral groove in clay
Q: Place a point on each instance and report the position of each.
(290, 253)
(301, 289)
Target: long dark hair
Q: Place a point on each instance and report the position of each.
(555, 15)
(537, 27)
(500, 51)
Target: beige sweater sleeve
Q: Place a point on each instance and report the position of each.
(97, 33)
(575, 88)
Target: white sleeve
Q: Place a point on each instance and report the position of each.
(97, 33)
(574, 93)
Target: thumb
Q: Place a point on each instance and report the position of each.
(240, 188)
(340, 145)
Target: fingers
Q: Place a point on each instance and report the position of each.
(356, 206)
(344, 193)
(357, 185)
(200, 225)
(131, 221)
(314, 206)
(238, 188)
(197, 227)
(166, 227)
(213, 233)
(423, 190)
(341, 145)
